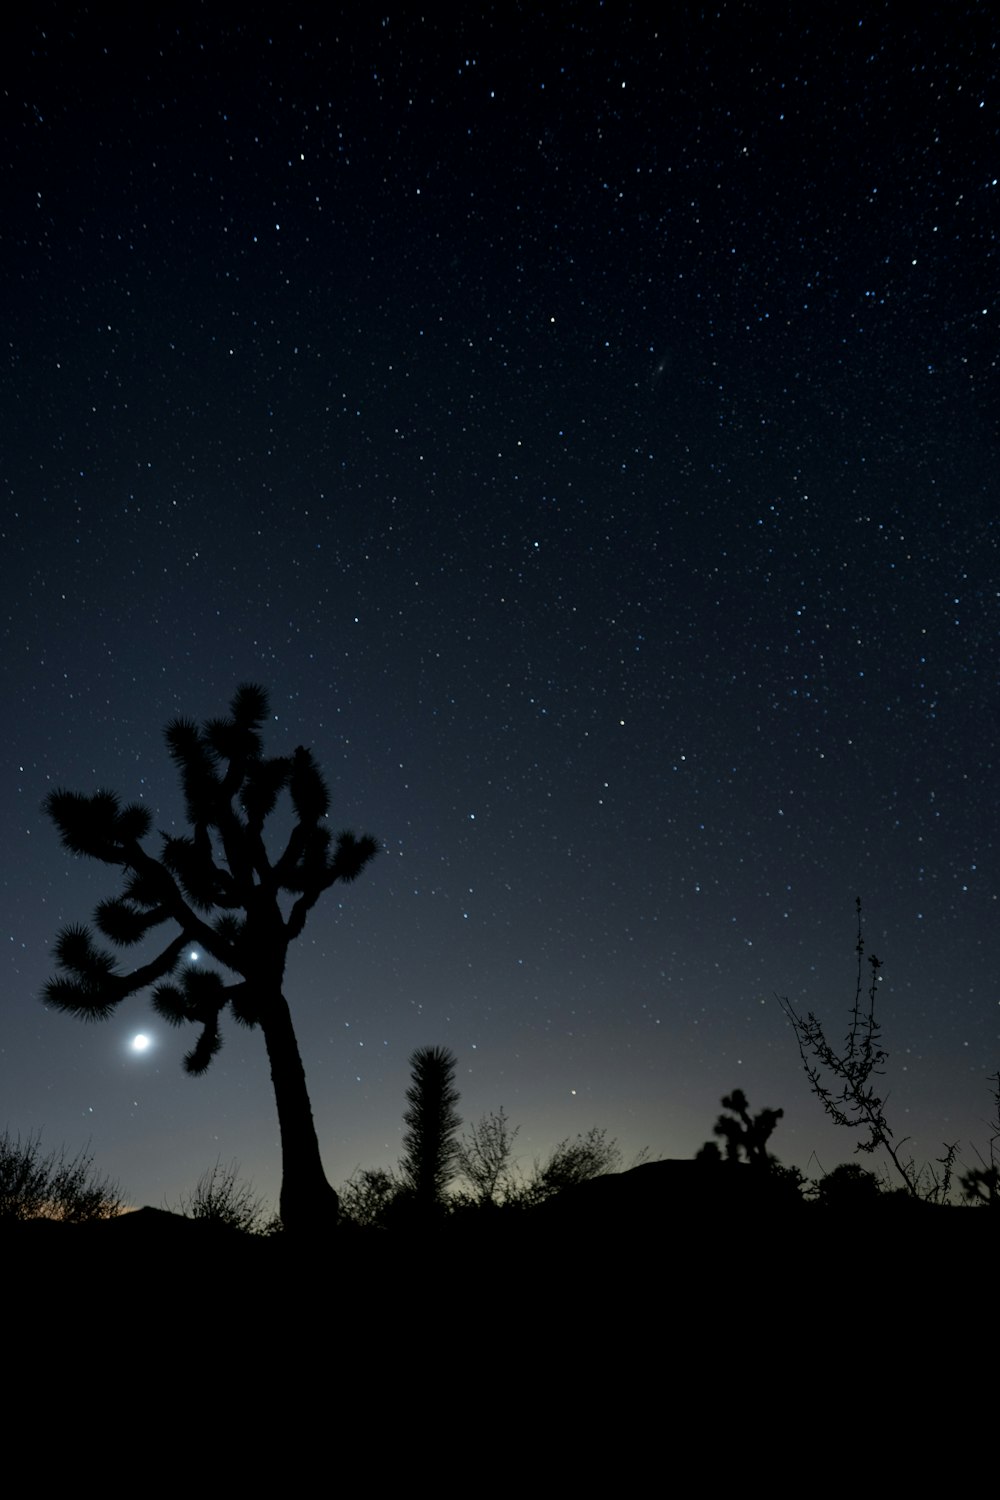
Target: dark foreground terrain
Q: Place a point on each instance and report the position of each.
(635, 1320)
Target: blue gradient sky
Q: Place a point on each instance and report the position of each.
(585, 427)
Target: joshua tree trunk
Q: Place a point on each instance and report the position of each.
(308, 1202)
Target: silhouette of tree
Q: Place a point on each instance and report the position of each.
(430, 1148)
(744, 1133)
(221, 890)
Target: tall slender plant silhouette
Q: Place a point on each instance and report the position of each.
(220, 889)
(432, 1121)
(853, 1098)
(860, 1102)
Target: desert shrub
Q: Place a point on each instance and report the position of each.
(486, 1160)
(849, 1186)
(574, 1160)
(222, 1198)
(367, 1196)
(35, 1184)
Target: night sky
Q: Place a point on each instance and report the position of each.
(585, 426)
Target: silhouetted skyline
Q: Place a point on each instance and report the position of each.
(585, 427)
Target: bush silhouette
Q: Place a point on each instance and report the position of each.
(577, 1159)
(220, 1197)
(35, 1184)
(849, 1186)
(486, 1160)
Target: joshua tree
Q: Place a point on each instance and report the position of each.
(221, 890)
(432, 1121)
(745, 1133)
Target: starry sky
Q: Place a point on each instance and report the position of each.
(584, 423)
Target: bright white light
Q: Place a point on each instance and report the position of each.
(141, 1042)
(193, 956)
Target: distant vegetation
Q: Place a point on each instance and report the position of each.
(221, 892)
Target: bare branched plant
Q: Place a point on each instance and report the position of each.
(574, 1160)
(222, 1197)
(486, 1159)
(853, 1098)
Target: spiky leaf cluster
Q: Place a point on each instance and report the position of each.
(97, 826)
(91, 986)
(126, 921)
(200, 998)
